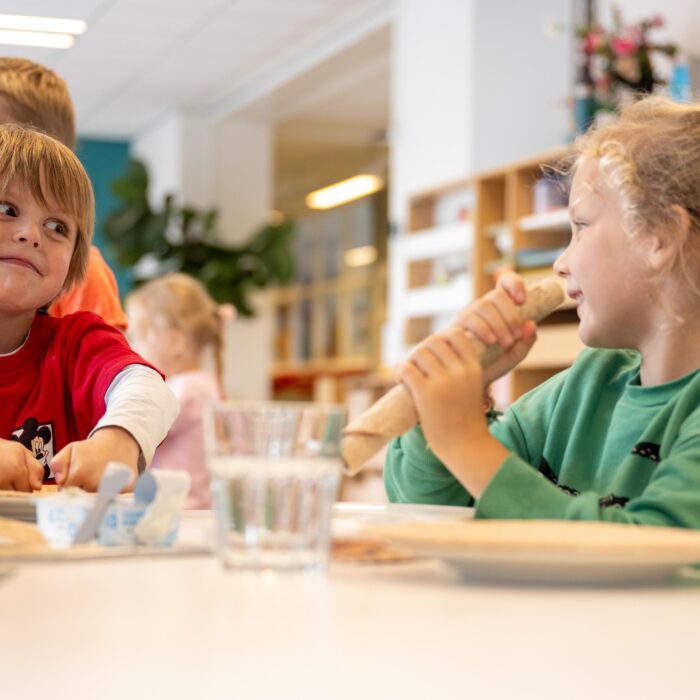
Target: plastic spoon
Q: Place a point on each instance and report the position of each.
(146, 488)
(114, 479)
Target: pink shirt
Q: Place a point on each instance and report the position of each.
(183, 447)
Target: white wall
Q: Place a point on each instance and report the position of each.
(243, 175)
(179, 154)
(159, 148)
(431, 101)
(198, 150)
(522, 80)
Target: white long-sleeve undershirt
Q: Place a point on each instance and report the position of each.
(139, 401)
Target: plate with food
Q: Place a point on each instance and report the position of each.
(350, 542)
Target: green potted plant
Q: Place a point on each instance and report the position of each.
(183, 238)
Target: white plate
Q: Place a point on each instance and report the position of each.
(350, 519)
(18, 506)
(556, 552)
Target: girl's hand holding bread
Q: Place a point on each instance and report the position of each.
(447, 382)
(496, 318)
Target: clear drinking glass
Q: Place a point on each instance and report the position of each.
(275, 469)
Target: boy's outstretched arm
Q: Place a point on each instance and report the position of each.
(19, 469)
(82, 463)
(140, 409)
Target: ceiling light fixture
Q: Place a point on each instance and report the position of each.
(45, 39)
(49, 32)
(360, 256)
(345, 191)
(53, 25)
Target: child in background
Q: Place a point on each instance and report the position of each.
(34, 95)
(617, 436)
(73, 395)
(172, 322)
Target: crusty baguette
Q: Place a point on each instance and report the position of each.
(394, 413)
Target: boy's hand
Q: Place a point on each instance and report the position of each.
(19, 469)
(495, 318)
(82, 463)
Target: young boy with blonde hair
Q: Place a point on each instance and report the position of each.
(73, 395)
(32, 94)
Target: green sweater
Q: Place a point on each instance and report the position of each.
(591, 443)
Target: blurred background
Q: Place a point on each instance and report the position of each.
(238, 110)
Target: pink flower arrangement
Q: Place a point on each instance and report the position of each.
(621, 59)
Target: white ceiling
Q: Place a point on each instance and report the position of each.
(141, 60)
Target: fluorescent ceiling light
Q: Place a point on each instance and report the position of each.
(358, 257)
(43, 24)
(52, 41)
(345, 191)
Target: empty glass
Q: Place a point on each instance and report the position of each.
(275, 469)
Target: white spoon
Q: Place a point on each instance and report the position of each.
(116, 476)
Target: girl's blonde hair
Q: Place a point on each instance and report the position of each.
(650, 156)
(179, 301)
(54, 176)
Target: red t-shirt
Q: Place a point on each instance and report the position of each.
(52, 390)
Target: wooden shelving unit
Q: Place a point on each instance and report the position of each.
(508, 232)
(430, 276)
(327, 325)
(482, 224)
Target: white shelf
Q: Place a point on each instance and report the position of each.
(434, 242)
(555, 220)
(439, 299)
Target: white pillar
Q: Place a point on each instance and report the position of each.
(244, 191)
(227, 165)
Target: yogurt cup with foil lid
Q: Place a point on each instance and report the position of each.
(59, 515)
(122, 517)
(127, 521)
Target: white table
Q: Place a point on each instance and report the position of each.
(185, 628)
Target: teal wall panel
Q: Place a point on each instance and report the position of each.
(105, 161)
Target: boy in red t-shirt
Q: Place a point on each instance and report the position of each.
(73, 395)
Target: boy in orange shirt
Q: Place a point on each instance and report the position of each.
(34, 95)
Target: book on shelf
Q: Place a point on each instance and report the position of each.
(528, 258)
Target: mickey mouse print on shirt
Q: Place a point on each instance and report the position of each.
(38, 439)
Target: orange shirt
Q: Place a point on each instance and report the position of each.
(98, 293)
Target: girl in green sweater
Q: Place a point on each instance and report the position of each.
(617, 436)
